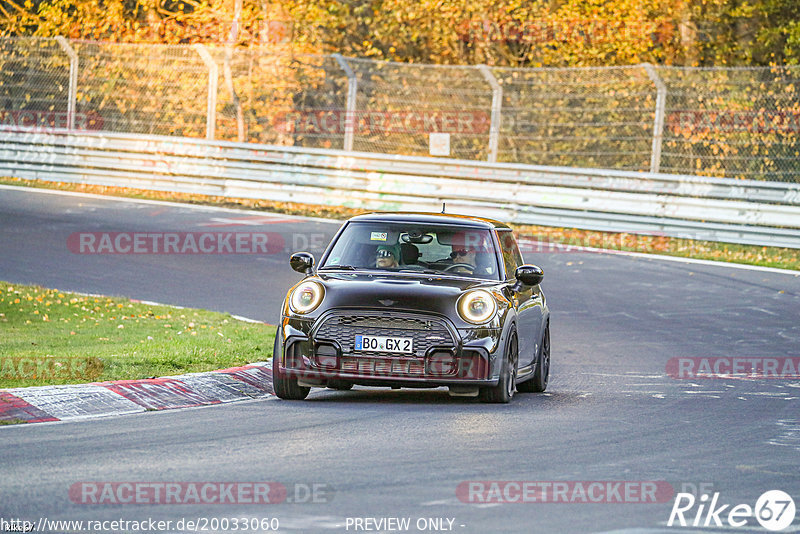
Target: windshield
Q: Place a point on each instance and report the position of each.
(414, 247)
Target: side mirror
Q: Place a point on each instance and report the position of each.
(529, 275)
(302, 262)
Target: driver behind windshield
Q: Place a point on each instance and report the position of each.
(386, 258)
(462, 254)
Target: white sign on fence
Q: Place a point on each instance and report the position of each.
(439, 144)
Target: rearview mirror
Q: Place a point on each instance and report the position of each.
(529, 275)
(416, 238)
(302, 262)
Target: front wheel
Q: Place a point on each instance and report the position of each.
(285, 387)
(503, 392)
(538, 383)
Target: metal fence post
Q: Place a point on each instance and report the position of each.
(213, 84)
(350, 119)
(497, 109)
(658, 123)
(72, 94)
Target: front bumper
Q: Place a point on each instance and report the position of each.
(321, 350)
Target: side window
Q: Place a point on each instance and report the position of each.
(511, 255)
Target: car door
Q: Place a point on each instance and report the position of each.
(528, 302)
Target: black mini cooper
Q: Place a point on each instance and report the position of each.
(415, 300)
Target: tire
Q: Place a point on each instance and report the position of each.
(538, 383)
(503, 392)
(340, 385)
(285, 388)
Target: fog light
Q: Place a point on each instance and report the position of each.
(441, 363)
(327, 356)
(329, 362)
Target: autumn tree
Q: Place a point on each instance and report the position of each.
(495, 32)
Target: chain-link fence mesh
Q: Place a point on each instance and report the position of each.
(279, 99)
(145, 89)
(740, 123)
(34, 83)
(733, 122)
(587, 117)
(399, 105)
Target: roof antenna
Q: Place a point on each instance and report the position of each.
(443, 205)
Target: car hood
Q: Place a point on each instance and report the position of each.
(393, 291)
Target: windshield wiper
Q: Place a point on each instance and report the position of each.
(423, 271)
(342, 267)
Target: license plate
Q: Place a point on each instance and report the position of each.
(384, 344)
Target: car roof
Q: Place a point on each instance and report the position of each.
(431, 218)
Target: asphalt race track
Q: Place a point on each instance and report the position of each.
(611, 412)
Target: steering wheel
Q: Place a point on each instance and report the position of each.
(457, 265)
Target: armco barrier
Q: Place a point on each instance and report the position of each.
(716, 209)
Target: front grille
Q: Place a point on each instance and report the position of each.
(371, 321)
(383, 366)
(426, 331)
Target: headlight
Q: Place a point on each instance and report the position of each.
(477, 306)
(306, 297)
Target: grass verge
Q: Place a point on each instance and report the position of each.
(12, 422)
(55, 337)
(784, 258)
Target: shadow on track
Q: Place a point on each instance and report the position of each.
(437, 397)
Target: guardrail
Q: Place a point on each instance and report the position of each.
(715, 209)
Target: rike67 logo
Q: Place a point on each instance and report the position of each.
(774, 510)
